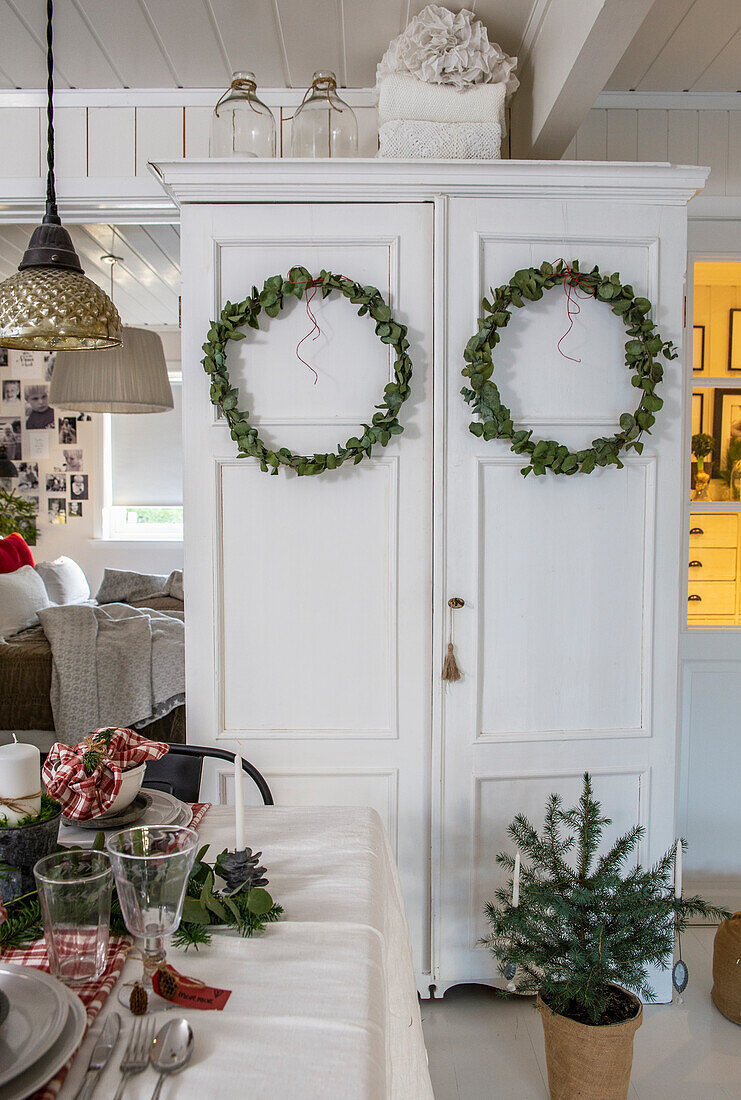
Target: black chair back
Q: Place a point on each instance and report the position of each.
(179, 772)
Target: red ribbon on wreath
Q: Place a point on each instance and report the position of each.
(573, 280)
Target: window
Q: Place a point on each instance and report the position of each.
(144, 455)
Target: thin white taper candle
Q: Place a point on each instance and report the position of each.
(678, 871)
(238, 804)
(516, 883)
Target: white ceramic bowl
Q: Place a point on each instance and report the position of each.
(131, 781)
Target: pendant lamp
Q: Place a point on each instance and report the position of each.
(128, 379)
(50, 305)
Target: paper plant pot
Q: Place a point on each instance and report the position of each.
(22, 846)
(726, 992)
(585, 1061)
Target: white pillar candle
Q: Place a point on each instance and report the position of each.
(20, 781)
(516, 883)
(238, 805)
(678, 870)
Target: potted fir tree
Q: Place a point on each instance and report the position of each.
(582, 937)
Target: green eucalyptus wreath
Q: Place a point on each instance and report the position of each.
(272, 298)
(641, 351)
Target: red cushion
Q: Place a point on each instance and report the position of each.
(14, 553)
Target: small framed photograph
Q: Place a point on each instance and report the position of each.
(78, 486)
(734, 341)
(726, 426)
(698, 349)
(39, 413)
(67, 429)
(10, 437)
(56, 482)
(28, 477)
(12, 392)
(57, 510)
(698, 404)
(72, 459)
(74, 509)
(3, 357)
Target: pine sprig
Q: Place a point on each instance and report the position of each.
(584, 922)
(23, 924)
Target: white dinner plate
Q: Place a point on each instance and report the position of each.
(38, 1011)
(163, 809)
(42, 1071)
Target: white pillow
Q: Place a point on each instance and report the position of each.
(65, 581)
(22, 594)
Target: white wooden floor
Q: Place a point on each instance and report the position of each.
(481, 1046)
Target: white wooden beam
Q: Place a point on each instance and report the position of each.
(572, 54)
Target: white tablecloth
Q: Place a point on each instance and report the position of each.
(323, 1003)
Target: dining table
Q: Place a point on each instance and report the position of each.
(323, 1002)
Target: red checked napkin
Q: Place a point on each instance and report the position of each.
(86, 796)
(93, 994)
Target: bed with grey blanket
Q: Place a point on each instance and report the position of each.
(113, 665)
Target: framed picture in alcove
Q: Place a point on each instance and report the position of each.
(698, 401)
(698, 349)
(726, 425)
(734, 341)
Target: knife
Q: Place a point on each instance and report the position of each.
(102, 1051)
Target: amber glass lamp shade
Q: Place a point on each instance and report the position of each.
(50, 304)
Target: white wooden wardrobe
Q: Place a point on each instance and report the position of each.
(317, 612)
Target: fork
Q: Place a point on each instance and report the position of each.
(136, 1056)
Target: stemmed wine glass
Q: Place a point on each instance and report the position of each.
(151, 865)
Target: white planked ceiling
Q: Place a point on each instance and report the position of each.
(199, 43)
(684, 46)
(146, 280)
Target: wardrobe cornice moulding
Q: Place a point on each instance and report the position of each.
(358, 179)
(127, 199)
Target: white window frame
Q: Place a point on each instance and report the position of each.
(115, 523)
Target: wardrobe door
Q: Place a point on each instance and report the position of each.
(568, 636)
(308, 611)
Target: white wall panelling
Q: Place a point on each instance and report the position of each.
(681, 129)
(312, 651)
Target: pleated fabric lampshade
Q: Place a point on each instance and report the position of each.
(129, 379)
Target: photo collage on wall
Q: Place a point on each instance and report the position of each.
(48, 446)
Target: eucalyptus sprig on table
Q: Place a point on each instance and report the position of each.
(641, 357)
(277, 292)
(247, 908)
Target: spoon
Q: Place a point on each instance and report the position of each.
(171, 1050)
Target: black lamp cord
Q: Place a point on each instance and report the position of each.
(51, 194)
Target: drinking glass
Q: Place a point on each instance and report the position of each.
(151, 865)
(75, 897)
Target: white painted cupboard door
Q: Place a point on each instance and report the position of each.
(568, 637)
(308, 610)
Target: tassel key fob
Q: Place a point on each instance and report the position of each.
(451, 672)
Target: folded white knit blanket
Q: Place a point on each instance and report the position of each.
(401, 95)
(418, 140)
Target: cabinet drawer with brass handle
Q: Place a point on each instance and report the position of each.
(712, 564)
(713, 530)
(711, 598)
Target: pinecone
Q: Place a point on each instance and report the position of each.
(168, 983)
(138, 1000)
(240, 870)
